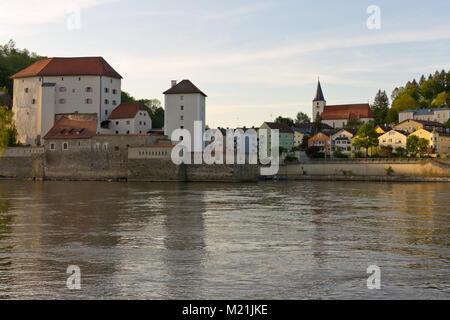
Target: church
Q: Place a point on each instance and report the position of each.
(338, 116)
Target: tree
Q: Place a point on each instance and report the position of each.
(153, 107)
(405, 102)
(415, 145)
(366, 137)
(429, 89)
(448, 124)
(287, 121)
(317, 125)
(380, 107)
(302, 118)
(8, 133)
(126, 97)
(391, 116)
(441, 99)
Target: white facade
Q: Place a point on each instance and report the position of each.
(440, 115)
(393, 139)
(141, 123)
(181, 110)
(342, 139)
(38, 99)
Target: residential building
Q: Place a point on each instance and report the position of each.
(394, 139)
(342, 139)
(414, 125)
(298, 137)
(322, 141)
(439, 143)
(286, 134)
(184, 104)
(338, 116)
(381, 129)
(440, 115)
(128, 118)
(62, 86)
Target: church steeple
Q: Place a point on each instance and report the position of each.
(319, 102)
(319, 93)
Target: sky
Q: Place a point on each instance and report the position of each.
(255, 60)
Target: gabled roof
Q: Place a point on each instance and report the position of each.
(72, 129)
(319, 93)
(347, 112)
(127, 110)
(185, 86)
(282, 127)
(84, 66)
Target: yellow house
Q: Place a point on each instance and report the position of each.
(394, 139)
(414, 125)
(298, 137)
(439, 142)
(431, 137)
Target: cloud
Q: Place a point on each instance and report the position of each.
(32, 12)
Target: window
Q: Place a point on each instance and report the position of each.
(106, 101)
(128, 122)
(106, 111)
(116, 148)
(140, 123)
(128, 131)
(181, 118)
(62, 101)
(79, 79)
(117, 123)
(65, 146)
(62, 79)
(182, 127)
(89, 101)
(33, 101)
(88, 89)
(52, 146)
(182, 107)
(26, 90)
(62, 89)
(106, 90)
(114, 91)
(114, 102)
(181, 98)
(117, 132)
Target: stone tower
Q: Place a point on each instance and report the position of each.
(319, 102)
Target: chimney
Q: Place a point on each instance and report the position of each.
(174, 83)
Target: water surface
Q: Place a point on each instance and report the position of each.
(286, 240)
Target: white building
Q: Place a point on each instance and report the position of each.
(63, 86)
(342, 140)
(440, 115)
(393, 139)
(184, 103)
(128, 118)
(338, 116)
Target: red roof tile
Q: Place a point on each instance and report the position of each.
(96, 66)
(347, 112)
(72, 129)
(126, 110)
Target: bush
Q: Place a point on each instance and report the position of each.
(389, 171)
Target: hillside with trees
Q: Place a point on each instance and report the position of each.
(431, 92)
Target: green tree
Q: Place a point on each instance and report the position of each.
(287, 121)
(441, 100)
(448, 124)
(416, 145)
(429, 89)
(380, 107)
(405, 102)
(8, 133)
(366, 137)
(302, 118)
(391, 116)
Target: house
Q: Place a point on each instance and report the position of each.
(381, 129)
(62, 86)
(184, 104)
(439, 143)
(322, 141)
(286, 134)
(338, 116)
(128, 118)
(440, 115)
(298, 137)
(394, 139)
(414, 125)
(342, 139)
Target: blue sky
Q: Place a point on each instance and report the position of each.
(254, 59)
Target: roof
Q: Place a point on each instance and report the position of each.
(185, 86)
(282, 127)
(127, 110)
(72, 129)
(92, 66)
(425, 122)
(347, 112)
(405, 133)
(319, 93)
(423, 112)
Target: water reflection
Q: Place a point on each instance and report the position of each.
(182, 241)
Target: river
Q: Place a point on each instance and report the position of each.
(267, 240)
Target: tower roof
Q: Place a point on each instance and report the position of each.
(319, 93)
(184, 86)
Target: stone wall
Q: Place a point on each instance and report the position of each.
(22, 163)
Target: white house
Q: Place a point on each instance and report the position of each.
(184, 103)
(63, 86)
(343, 139)
(128, 118)
(440, 115)
(338, 116)
(393, 139)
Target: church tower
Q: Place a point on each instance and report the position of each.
(319, 102)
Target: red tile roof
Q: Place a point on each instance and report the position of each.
(184, 86)
(72, 129)
(95, 66)
(127, 110)
(347, 112)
